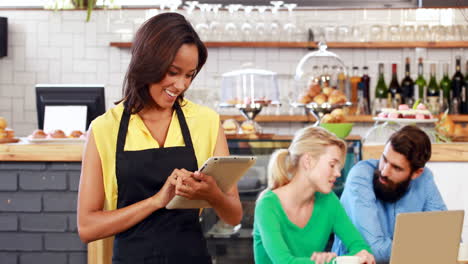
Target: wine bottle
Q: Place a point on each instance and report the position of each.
(365, 79)
(381, 92)
(354, 79)
(407, 85)
(342, 80)
(433, 95)
(362, 106)
(395, 88)
(458, 85)
(445, 89)
(420, 81)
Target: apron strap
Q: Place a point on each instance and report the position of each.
(123, 128)
(183, 125)
(122, 135)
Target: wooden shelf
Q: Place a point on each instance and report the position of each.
(309, 118)
(313, 45)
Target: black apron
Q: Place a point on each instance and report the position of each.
(165, 236)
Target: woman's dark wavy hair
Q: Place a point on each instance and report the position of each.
(413, 143)
(153, 50)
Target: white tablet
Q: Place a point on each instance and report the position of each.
(226, 170)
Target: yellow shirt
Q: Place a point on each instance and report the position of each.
(202, 122)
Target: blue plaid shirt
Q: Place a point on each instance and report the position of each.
(376, 219)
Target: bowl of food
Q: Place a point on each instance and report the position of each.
(341, 130)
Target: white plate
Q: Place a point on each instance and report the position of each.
(56, 140)
(405, 120)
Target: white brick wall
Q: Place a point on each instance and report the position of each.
(59, 47)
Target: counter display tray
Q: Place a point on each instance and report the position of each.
(56, 140)
(405, 120)
(8, 140)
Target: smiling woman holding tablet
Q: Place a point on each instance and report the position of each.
(147, 149)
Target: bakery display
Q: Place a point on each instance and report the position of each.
(230, 127)
(7, 135)
(56, 136)
(448, 130)
(404, 112)
(249, 90)
(249, 85)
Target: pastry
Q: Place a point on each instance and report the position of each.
(327, 90)
(320, 99)
(39, 133)
(57, 134)
(305, 99)
(314, 90)
(10, 133)
(3, 123)
(338, 115)
(248, 128)
(327, 118)
(230, 126)
(337, 97)
(76, 134)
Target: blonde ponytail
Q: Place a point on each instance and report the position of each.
(278, 169)
(284, 162)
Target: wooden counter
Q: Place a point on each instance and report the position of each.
(40, 152)
(440, 152)
(73, 152)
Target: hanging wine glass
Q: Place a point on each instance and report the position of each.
(290, 27)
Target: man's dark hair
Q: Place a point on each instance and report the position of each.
(154, 48)
(414, 144)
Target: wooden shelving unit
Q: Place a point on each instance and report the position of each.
(309, 118)
(313, 45)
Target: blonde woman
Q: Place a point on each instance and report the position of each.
(296, 215)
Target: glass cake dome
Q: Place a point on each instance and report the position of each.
(249, 89)
(320, 82)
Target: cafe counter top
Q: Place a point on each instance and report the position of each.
(25, 151)
(443, 152)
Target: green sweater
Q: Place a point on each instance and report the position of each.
(278, 240)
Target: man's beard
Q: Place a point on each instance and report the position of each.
(391, 192)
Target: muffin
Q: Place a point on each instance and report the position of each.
(230, 126)
(76, 134)
(57, 134)
(39, 133)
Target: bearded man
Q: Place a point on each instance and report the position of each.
(376, 191)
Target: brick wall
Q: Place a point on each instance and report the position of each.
(38, 213)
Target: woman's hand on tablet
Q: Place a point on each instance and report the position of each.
(198, 186)
(167, 192)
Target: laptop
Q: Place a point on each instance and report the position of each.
(427, 237)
